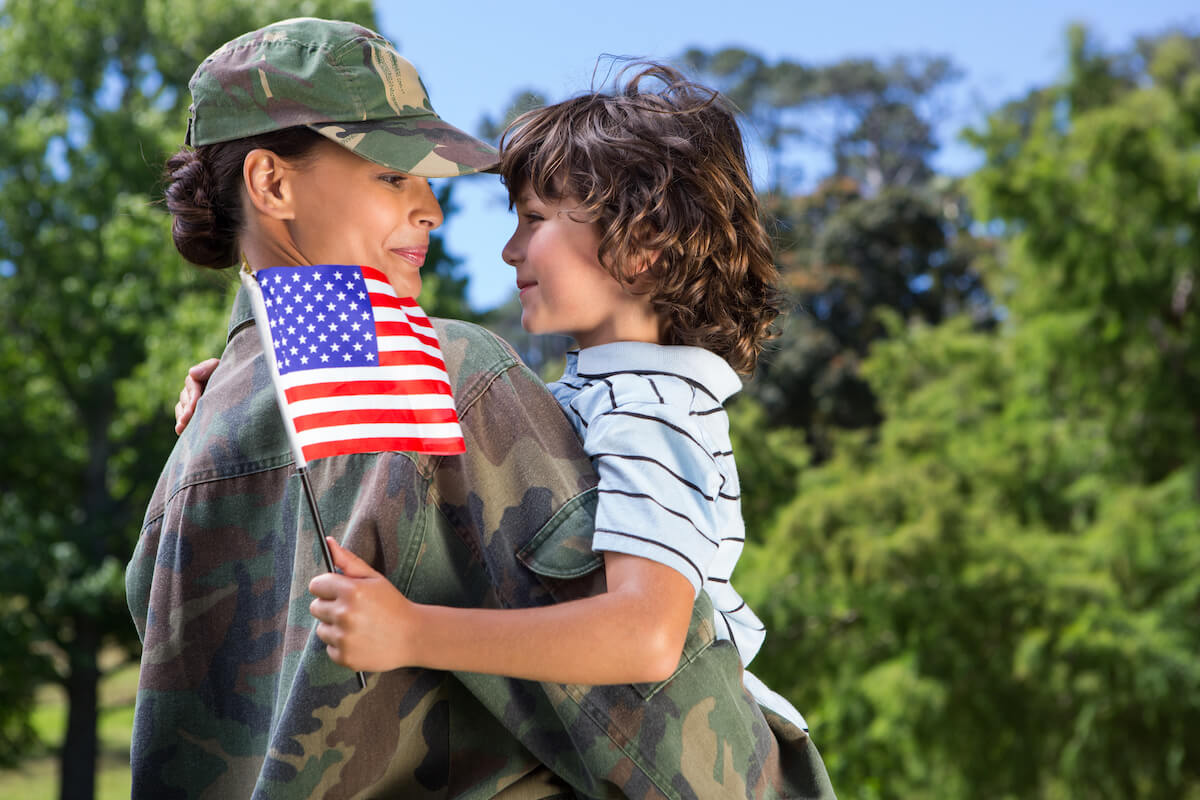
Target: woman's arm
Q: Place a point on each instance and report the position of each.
(632, 633)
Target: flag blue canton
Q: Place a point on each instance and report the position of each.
(320, 317)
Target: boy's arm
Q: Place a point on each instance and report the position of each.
(633, 633)
(193, 387)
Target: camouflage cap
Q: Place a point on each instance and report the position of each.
(343, 81)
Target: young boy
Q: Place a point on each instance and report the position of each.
(638, 235)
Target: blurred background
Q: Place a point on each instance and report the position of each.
(971, 462)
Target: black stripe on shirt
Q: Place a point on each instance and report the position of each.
(682, 516)
(739, 607)
(726, 614)
(575, 411)
(660, 421)
(602, 375)
(666, 469)
(656, 543)
(655, 388)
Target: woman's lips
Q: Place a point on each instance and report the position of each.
(413, 255)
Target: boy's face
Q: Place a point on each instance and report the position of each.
(564, 289)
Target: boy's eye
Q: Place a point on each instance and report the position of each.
(395, 178)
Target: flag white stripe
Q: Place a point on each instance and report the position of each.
(416, 372)
(396, 344)
(389, 314)
(391, 430)
(323, 405)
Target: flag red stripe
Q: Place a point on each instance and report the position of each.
(314, 391)
(405, 358)
(450, 446)
(407, 416)
(373, 274)
(391, 301)
(395, 329)
(398, 328)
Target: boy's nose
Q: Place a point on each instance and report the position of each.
(511, 253)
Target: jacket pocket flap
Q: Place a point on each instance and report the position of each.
(563, 547)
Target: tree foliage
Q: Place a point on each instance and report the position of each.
(879, 232)
(994, 593)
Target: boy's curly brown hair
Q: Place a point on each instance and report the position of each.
(664, 175)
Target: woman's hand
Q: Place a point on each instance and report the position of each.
(364, 620)
(193, 387)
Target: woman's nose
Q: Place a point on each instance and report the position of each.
(427, 212)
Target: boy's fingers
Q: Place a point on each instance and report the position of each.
(325, 586)
(351, 565)
(203, 371)
(193, 387)
(182, 415)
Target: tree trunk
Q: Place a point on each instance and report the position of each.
(77, 761)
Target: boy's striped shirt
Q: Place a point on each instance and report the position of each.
(652, 421)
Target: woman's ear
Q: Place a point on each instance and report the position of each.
(266, 179)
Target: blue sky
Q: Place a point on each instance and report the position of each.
(474, 55)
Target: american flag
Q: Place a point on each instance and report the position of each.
(357, 368)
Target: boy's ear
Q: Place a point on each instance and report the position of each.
(267, 179)
(647, 256)
(645, 260)
(638, 278)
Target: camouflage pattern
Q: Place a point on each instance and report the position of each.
(237, 698)
(343, 81)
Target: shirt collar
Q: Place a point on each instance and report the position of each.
(693, 363)
(242, 314)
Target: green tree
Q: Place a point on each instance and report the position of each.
(994, 593)
(101, 318)
(845, 258)
(879, 232)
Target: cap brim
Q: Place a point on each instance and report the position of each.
(424, 146)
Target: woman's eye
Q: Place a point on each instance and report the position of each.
(533, 217)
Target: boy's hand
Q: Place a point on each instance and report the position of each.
(362, 615)
(193, 387)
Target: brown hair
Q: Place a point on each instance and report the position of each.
(661, 172)
(204, 192)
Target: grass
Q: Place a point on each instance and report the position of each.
(37, 777)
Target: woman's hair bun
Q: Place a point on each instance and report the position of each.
(205, 227)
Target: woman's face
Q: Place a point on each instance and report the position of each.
(348, 210)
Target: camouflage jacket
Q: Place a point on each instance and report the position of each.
(236, 697)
